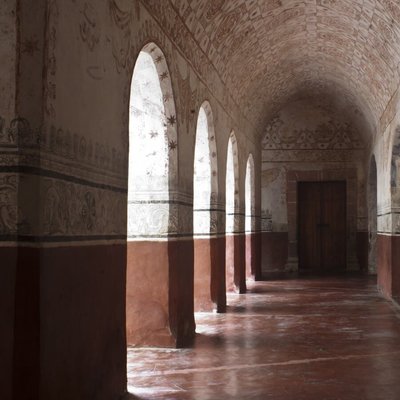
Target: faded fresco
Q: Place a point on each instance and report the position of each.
(71, 137)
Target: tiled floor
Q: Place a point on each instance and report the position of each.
(305, 338)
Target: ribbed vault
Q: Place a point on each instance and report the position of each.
(267, 50)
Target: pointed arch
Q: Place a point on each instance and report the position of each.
(205, 185)
(232, 216)
(232, 184)
(249, 216)
(249, 195)
(152, 145)
(205, 195)
(152, 173)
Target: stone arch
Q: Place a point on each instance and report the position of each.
(233, 218)
(205, 198)
(152, 145)
(250, 216)
(249, 195)
(151, 177)
(232, 185)
(205, 188)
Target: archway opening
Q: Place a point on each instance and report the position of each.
(372, 217)
(231, 219)
(152, 163)
(204, 221)
(249, 218)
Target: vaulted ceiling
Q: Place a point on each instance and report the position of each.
(267, 51)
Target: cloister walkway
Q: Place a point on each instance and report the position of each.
(286, 339)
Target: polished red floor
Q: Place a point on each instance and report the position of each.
(305, 338)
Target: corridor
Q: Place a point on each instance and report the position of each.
(304, 338)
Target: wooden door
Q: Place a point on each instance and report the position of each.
(309, 216)
(322, 225)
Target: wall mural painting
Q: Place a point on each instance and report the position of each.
(266, 220)
(18, 132)
(88, 27)
(330, 134)
(73, 209)
(8, 204)
(51, 65)
(69, 146)
(121, 13)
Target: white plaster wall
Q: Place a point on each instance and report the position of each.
(92, 52)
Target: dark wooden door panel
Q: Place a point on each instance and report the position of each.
(308, 217)
(333, 233)
(322, 225)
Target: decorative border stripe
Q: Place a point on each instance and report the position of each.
(208, 210)
(389, 213)
(155, 236)
(55, 238)
(177, 202)
(24, 169)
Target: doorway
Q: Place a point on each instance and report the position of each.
(322, 226)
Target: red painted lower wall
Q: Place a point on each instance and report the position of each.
(202, 275)
(147, 286)
(218, 276)
(396, 268)
(236, 263)
(274, 250)
(181, 278)
(82, 314)
(230, 263)
(160, 293)
(240, 262)
(8, 257)
(249, 255)
(384, 267)
(27, 325)
(209, 274)
(257, 256)
(69, 321)
(253, 255)
(69, 335)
